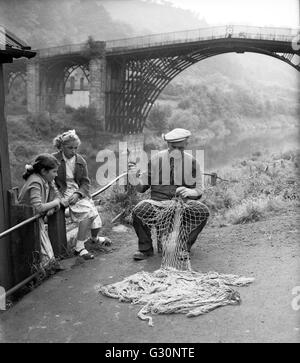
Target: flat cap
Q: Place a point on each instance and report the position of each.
(177, 135)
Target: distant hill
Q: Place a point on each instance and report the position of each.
(54, 22)
(254, 69)
(148, 17)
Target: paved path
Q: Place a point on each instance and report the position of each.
(68, 308)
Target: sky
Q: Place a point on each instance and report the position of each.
(280, 13)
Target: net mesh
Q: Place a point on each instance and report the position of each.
(175, 288)
(171, 224)
(172, 291)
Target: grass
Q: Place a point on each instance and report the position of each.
(257, 187)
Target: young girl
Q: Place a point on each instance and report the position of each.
(74, 185)
(37, 190)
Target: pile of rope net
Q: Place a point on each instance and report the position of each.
(175, 287)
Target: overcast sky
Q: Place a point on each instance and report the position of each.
(281, 13)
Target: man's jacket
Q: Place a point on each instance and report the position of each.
(166, 173)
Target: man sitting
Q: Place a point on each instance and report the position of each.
(171, 173)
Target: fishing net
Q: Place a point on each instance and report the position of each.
(175, 288)
(172, 291)
(171, 223)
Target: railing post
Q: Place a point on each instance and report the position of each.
(57, 233)
(213, 179)
(5, 183)
(25, 241)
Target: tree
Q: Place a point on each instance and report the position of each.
(157, 119)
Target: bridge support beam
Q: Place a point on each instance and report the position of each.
(115, 79)
(54, 92)
(97, 69)
(33, 86)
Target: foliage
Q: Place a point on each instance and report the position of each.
(86, 116)
(93, 48)
(157, 120)
(16, 101)
(255, 188)
(50, 23)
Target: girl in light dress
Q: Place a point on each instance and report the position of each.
(73, 184)
(38, 190)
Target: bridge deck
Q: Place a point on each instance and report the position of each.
(202, 34)
(131, 45)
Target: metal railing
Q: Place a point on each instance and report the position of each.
(37, 216)
(61, 50)
(184, 36)
(32, 219)
(201, 34)
(19, 225)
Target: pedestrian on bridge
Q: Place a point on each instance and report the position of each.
(74, 185)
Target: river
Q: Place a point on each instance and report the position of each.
(221, 153)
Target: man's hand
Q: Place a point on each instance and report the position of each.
(132, 168)
(74, 199)
(184, 192)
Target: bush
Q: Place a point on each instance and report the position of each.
(40, 124)
(45, 125)
(118, 200)
(184, 103)
(253, 209)
(157, 119)
(86, 116)
(255, 188)
(69, 109)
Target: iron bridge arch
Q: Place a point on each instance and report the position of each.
(146, 71)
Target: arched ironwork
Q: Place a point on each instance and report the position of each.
(141, 67)
(70, 69)
(12, 76)
(145, 75)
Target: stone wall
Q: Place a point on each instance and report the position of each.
(97, 88)
(33, 86)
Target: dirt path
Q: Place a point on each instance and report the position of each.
(67, 307)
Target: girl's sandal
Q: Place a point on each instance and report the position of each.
(85, 254)
(102, 241)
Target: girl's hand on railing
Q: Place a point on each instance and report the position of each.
(56, 203)
(74, 198)
(64, 202)
(51, 211)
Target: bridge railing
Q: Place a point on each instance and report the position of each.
(62, 50)
(194, 35)
(219, 32)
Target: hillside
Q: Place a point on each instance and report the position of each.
(148, 17)
(75, 20)
(218, 98)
